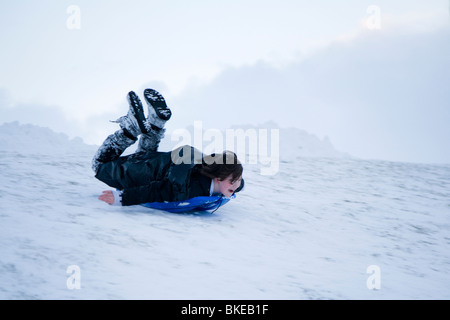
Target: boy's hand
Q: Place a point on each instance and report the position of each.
(107, 196)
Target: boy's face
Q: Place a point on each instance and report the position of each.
(227, 187)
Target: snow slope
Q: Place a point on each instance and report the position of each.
(308, 232)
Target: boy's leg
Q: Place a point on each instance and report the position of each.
(133, 124)
(112, 148)
(149, 142)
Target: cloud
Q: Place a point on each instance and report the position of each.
(381, 95)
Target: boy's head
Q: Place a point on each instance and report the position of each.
(226, 170)
(227, 187)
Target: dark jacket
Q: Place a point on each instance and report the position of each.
(156, 176)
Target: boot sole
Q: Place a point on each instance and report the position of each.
(155, 100)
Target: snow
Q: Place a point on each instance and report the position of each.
(309, 232)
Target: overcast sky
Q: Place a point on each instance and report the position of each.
(371, 75)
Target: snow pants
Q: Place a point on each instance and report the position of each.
(115, 144)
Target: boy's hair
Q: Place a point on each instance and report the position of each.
(222, 166)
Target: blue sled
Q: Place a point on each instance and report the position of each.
(190, 205)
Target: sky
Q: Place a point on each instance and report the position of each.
(370, 75)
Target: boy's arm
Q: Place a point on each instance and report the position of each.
(157, 191)
(113, 197)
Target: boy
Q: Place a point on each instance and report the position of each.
(148, 175)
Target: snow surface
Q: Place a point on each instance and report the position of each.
(308, 232)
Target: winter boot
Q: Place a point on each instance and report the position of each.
(134, 123)
(158, 112)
